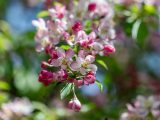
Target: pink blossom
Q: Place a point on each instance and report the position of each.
(64, 58)
(57, 12)
(89, 78)
(83, 65)
(62, 75)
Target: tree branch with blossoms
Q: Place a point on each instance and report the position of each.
(73, 36)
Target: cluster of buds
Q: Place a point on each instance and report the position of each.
(73, 38)
(143, 108)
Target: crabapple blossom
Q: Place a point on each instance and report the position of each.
(73, 36)
(16, 109)
(142, 108)
(84, 65)
(64, 58)
(57, 12)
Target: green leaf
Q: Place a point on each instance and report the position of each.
(65, 47)
(150, 9)
(102, 63)
(43, 13)
(100, 86)
(4, 85)
(66, 90)
(140, 32)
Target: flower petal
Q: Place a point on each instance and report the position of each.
(75, 66)
(92, 67)
(56, 62)
(83, 71)
(60, 52)
(90, 58)
(69, 53)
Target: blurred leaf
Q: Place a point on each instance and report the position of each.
(39, 106)
(4, 85)
(43, 13)
(66, 47)
(150, 9)
(100, 86)
(140, 32)
(135, 9)
(87, 27)
(66, 90)
(102, 63)
(3, 97)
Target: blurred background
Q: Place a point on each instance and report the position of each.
(133, 70)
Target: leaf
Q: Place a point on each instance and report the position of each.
(43, 13)
(102, 63)
(66, 90)
(150, 9)
(100, 86)
(65, 47)
(136, 28)
(140, 32)
(4, 85)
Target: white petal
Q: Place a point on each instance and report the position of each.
(90, 58)
(92, 67)
(83, 71)
(75, 66)
(97, 46)
(92, 35)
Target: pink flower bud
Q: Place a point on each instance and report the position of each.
(48, 49)
(89, 78)
(74, 104)
(79, 83)
(109, 49)
(44, 64)
(92, 7)
(77, 27)
(62, 75)
(46, 77)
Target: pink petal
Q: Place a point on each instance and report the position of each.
(56, 62)
(69, 53)
(60, 52)
(92, 35)
(81, 54)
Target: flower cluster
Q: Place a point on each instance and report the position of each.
(143, 108)
(72, 36)
(16, 109)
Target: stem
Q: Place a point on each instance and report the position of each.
(74, 94)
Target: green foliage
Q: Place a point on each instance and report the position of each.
(102, 63)
(140, 32)
(100, 86)
(42, 14)
(66, 90)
